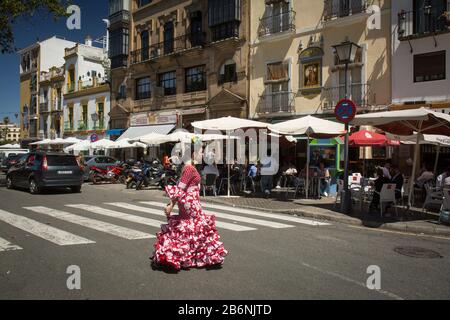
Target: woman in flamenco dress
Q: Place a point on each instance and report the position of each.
(189, 239)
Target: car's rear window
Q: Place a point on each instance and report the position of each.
(62, 160)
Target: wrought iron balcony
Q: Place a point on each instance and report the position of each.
(277, 23)
(71, 88)
(358, 93)
(177, 45)
(343, 8)
(43, 107)
(68, 126)
(424, 21)
(82, 125)
(278, 102)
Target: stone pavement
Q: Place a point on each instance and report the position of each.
(414, 221)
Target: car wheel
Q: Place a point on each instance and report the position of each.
(9, 184)
(34, 188)
(76, 189)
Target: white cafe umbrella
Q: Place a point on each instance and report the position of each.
(102, 144)
(125, 144)
(151, 139)
(228, 124)
(407, 122)
(427, 139)
(41, 143)
(84, 145)
(311, 127)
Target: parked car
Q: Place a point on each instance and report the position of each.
(102, 162)
(5, 153)
(38, 170)
(9, 161)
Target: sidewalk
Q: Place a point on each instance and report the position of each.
(324, 209)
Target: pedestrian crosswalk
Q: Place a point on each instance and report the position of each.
(135, 215)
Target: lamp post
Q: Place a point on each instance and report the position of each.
(346, 53)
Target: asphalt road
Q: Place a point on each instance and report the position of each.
(270, 257)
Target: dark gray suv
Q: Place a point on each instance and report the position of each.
(38, 170)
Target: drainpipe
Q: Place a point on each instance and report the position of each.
(249, 32)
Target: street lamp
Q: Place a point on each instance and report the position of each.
(346, 53)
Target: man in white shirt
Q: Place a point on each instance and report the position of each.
(440, 181)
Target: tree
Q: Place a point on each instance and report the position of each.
(11, 10)
(5, 130)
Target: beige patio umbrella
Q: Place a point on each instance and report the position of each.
(311, 127)
(228, 124)
(408, 122)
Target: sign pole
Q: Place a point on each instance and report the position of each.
(345, 112)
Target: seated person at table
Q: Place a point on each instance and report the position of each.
(324, 183)
(378, 184)
(425, 177)
(440, 181)
(288, 170)
(398, 179)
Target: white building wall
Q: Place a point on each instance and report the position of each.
(92, 108)
(403, 86)
(52, 52)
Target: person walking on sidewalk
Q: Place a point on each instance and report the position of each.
(189, 239)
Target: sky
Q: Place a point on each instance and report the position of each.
(42, 27)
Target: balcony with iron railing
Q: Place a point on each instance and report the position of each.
(177, 45)
(68, 126)
(100, 125)
(277, 24)
(359, 93)
(71, 87)
(277, 102)
(43, 107)
(423, 22)
(82, 126)
(335, 9)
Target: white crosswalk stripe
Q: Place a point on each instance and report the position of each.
(105, 227)
(265, 214)
(5, 245)
(117, 214)
(265, 223)
(220, 224)
(43, 231)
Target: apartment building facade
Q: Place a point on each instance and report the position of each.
(87, 94)
(295, 70)
(51, 90)
(9, 132)
(421, 54)
(186, 61)
(36, 58)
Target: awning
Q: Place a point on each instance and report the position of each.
(115, 132)
(135, 132)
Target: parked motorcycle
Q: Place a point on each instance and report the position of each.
(170, 176)
(113, 174)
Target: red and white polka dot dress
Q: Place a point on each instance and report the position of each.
(189, 239)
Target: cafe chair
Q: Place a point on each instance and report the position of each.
(387, 196)
(210, 184)
(434, 196)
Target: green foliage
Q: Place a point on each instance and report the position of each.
(12, 10)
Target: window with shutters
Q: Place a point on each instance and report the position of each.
(430, 66)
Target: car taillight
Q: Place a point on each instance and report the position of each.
(44, 164)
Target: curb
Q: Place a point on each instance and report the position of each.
(400, 226)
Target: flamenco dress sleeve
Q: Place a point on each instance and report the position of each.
(179, 191)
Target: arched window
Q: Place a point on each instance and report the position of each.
(227, 72)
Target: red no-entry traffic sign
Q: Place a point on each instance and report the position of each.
(345, 110)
